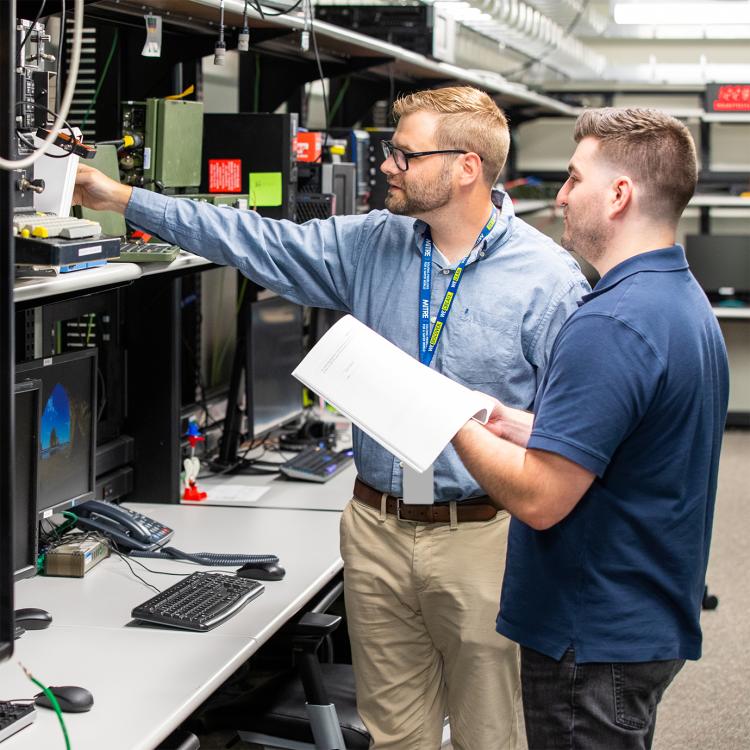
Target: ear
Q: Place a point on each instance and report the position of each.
(470, 169)
(621, 196)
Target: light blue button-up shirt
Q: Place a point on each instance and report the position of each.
(517, 289)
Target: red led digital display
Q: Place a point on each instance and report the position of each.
(730, 97)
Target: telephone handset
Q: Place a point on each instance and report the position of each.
(126, 528)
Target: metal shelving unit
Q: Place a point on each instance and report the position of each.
(339, 46)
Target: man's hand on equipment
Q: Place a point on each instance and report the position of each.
(97, 191)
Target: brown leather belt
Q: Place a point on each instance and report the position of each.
(475, 509)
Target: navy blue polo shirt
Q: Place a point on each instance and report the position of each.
(636, 392)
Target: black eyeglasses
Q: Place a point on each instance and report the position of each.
(401, 157)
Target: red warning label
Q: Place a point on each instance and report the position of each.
(224, 175)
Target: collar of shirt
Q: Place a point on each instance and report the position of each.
(664, 260)
(497, 237)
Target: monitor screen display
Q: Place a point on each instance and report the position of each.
(26, 446)
(720, 262)
(274, 349)
(67, 428)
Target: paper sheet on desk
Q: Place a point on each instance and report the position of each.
(411, 410)
(236, 495)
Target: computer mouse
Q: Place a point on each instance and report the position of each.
(72, 699)
(33, 619)
(262, 572)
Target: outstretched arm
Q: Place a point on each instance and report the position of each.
(97, 191)
(311, 264)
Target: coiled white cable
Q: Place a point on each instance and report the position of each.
(75, 59)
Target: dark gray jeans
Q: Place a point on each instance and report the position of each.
(596, 706)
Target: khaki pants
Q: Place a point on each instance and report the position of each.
(421, 602)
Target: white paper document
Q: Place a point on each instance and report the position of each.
(409, 409)
(238, 495)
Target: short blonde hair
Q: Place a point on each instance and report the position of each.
(655, 149)
(470, 120)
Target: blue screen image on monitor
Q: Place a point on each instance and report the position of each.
(56, 422)
(67, 428)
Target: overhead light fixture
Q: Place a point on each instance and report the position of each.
(682, 14)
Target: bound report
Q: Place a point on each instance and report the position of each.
(409, 409)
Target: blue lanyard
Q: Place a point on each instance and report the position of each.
(428, 340)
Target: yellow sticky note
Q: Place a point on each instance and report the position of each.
(265, 189)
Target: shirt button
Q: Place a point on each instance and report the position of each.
(401, 464)
(446, 271)
(481, 253)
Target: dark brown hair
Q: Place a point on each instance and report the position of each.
(655, 150)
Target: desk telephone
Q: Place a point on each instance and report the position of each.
(126, 528)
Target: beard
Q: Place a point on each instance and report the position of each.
(588, 238)
(419, 198)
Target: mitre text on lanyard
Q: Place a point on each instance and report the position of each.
(428, 340)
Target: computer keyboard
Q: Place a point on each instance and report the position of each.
(45, 226)
(147, 252)
(199, 602)
(317, 464)
(14, 717)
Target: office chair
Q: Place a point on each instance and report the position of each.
(180, 739)
(318, 714)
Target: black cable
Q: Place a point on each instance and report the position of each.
(280, 13)
(206, 558)
(168, 573)
(30, 144)
(251, 470)
(322, 83)
(103, 399)
(127, 562)
(31, 28)
(203, 403)
(60, 48)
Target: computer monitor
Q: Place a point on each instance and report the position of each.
(720, 263)
(274, 349)
(26, 443)
(67, 428)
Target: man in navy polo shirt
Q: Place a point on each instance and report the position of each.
(612, 481)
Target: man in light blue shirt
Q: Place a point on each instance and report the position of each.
(421, 581)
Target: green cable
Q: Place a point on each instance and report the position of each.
(50, 695)
(101, 79)
(241, 295)
(69, 524)
(339, 98)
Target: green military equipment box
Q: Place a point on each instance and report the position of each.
(173, 144)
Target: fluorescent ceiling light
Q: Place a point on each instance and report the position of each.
(681, 14)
